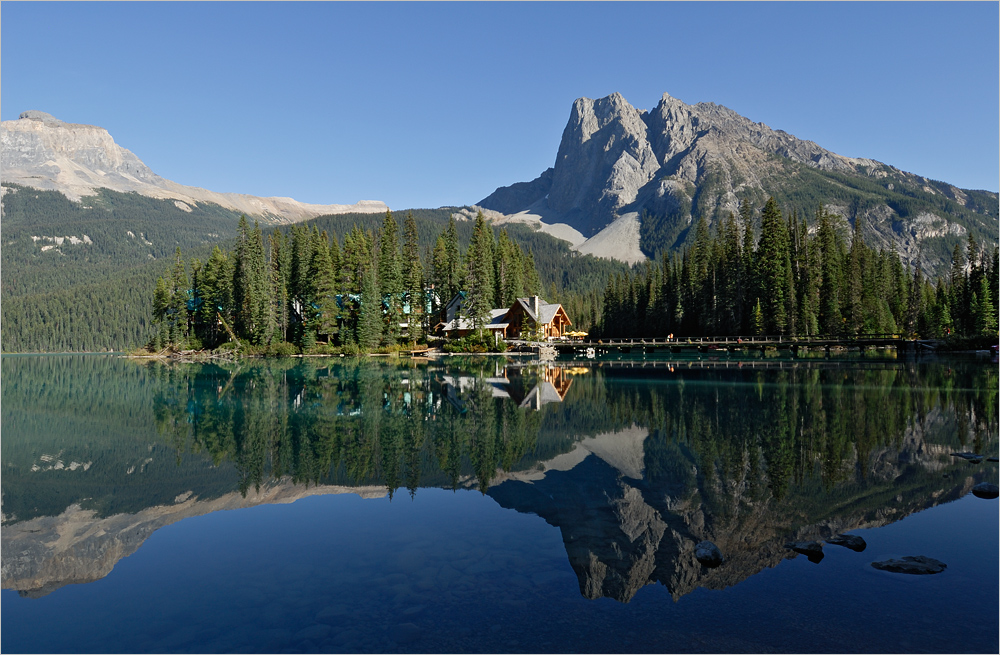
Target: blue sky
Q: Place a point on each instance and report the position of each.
(423, 105)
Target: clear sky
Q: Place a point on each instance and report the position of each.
(424, 105)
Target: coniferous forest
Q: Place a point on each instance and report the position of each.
(758, 272)
(95, 295)
(789, 278)
(303, 289)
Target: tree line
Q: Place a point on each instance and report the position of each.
(305, 290)
(792, 281)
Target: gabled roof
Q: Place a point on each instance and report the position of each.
(546, 311)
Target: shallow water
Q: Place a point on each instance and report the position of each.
(248, 508)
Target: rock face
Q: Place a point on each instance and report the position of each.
(43, 152)
(680, 161)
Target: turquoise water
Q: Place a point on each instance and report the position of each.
(473, 506)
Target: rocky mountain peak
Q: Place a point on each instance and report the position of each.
(631, 183)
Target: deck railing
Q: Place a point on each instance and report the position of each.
(736, 340)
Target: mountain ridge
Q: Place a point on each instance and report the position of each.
(43, 152)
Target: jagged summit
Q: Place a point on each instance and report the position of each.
(631, 183)
(44, 152)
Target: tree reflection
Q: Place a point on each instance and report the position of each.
(365, 422)
(358, 422)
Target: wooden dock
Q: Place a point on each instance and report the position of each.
(739, 343)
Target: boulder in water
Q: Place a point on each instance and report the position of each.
(708, 554)
(854, 542)
(986, 490)
(913, 565)
(811, 549)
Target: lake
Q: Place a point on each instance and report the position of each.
(494, 505)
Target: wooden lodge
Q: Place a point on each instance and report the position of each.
(528, 318)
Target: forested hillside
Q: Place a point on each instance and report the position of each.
(792, 281)
(79, 276)
(75, 275)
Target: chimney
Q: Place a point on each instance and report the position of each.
(536, 305)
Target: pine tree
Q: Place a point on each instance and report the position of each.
(509, 269)
(452, 262)
(323, 290)
(252, 308)
(390, 276)
(830, 317)
(370, 320)
(772, 258)
(216, 291)
(413, 278)
(984, 317)
(479, 282)
(177, 308)
(278, 290)
(532, 283)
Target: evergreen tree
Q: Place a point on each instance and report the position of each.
(830, 318)
(479, 282)
(370, 320)
(322, 290)
(532, 283)
(278, 289)
(177, 308)
(772, 259)
(984, 317)
(413, 278)
(390, 276)
(509, 271)
(252, 307)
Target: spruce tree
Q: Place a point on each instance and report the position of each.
(830, 317)
(772, 258)
(479, 282)
(177, 310)
(390, 277)
(370, 320)
(413, 278)
(323, 290)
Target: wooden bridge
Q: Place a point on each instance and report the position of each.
(739, 343)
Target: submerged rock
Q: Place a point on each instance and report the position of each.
(914, 565)
(992, 459)
(986, 490)
(969, 457)
(854, 542)
(811, 549)
(708, 554)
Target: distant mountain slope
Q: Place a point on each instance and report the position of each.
(43, 152)
(618, 166)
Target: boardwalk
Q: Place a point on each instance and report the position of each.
(733, 343)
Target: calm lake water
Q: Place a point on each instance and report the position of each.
(481, 505)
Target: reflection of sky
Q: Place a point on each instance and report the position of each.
(469, 575)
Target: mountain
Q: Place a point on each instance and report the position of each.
(631, 182)
(77, 546)
(43, 152)
(623, 529)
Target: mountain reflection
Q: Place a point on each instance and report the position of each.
(634, 464)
